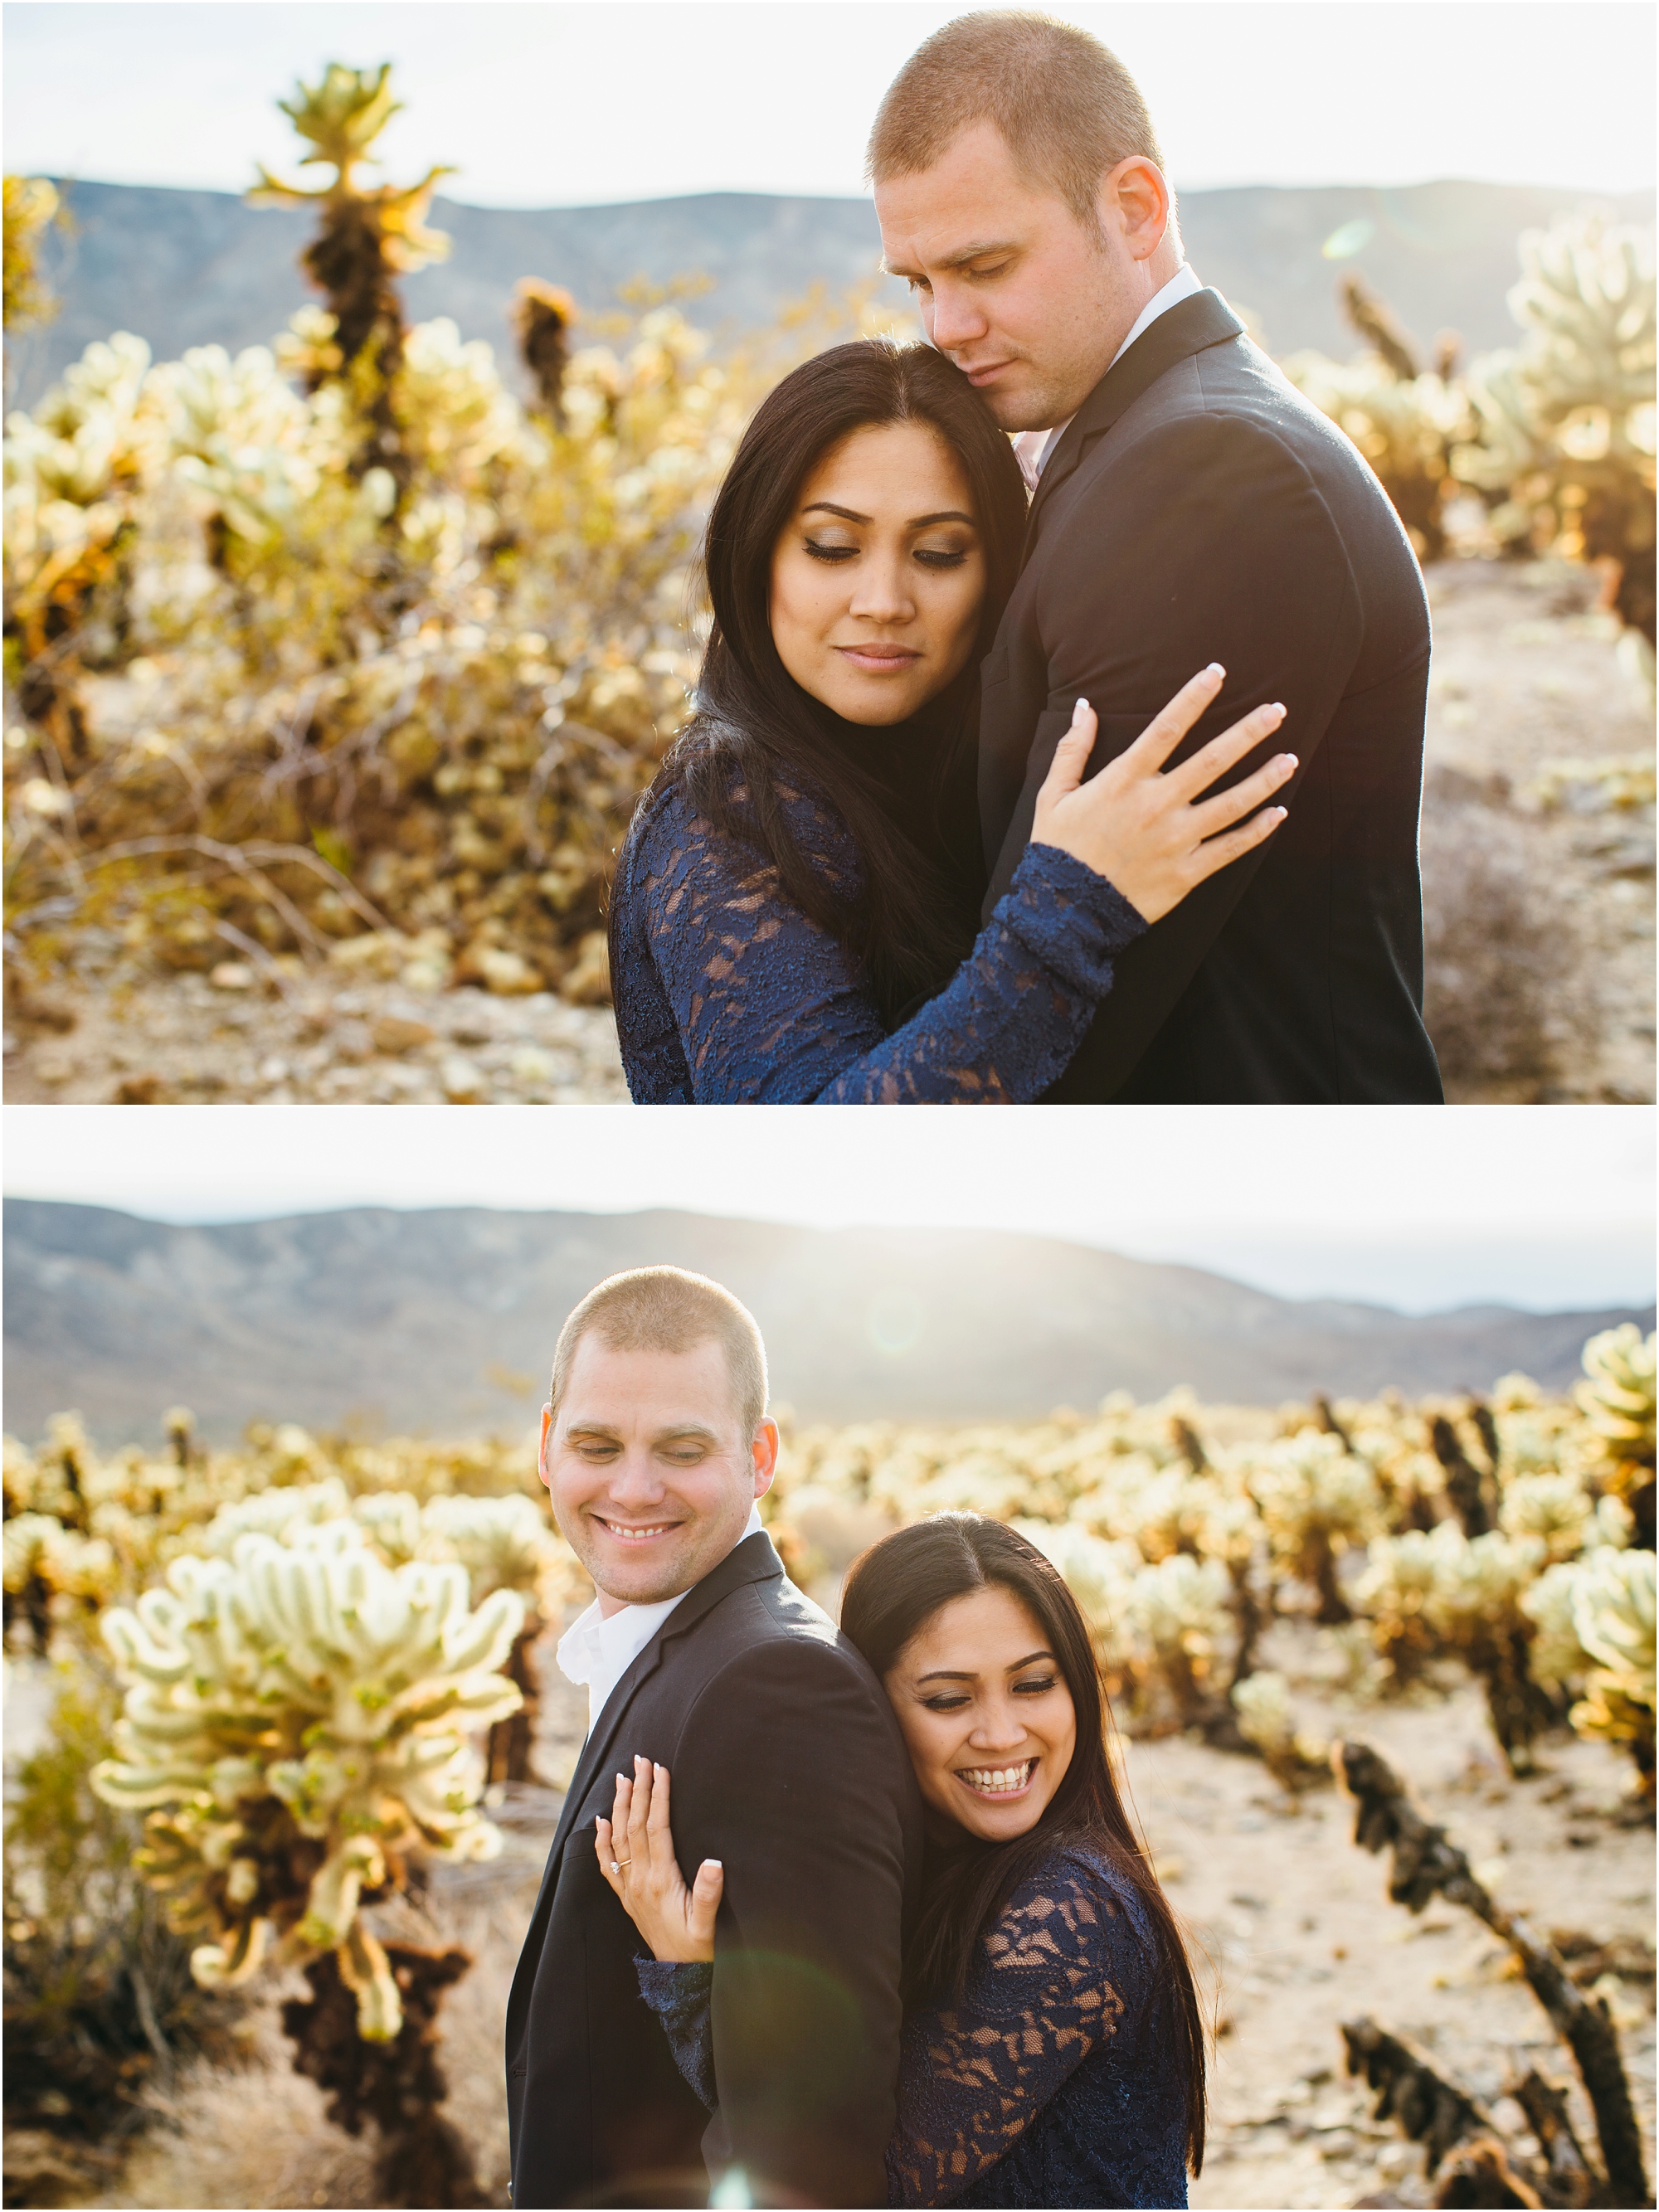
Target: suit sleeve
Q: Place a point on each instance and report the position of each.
(789, 1774)
(1212, 542)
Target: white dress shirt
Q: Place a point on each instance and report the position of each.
(1033, 448)
(599, 1652)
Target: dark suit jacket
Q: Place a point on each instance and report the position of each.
(787, 1765)
(1197, 509)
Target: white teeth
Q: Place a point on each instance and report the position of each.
(637, 1535)
(992, 1779)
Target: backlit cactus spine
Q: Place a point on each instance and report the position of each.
(297, 1718)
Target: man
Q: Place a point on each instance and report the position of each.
(787, 1766)
(1191, 506)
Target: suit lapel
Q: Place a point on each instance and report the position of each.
(753, 1561)
(1201, 321)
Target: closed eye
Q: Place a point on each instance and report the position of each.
(1035, 1687)
(829, 552)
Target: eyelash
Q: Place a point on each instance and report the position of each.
(947, 1704)
(835, 554)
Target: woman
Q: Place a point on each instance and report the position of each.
(795, 909)
(1053, 2048)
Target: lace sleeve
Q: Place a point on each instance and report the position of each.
(770, 1009)
(1055, 1977)
(681, 1995)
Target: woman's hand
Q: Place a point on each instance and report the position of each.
(636, 1857)
(1145, 830)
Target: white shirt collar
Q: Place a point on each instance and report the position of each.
(1032, 448)
(599, 1652)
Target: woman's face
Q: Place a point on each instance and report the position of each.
(987, 1719)
(878, 577)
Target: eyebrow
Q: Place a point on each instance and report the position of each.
(967, 1674)
(957, 260)
(681, 1429)
(920, 522)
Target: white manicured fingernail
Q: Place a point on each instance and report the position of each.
(715, 1863)
(1215, 669)
(1079, 710)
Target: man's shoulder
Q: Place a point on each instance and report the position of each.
(1228, 404)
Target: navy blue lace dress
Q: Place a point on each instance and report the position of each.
(726, 991)
(1051, 2083)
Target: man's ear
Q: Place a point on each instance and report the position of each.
(765, 1451)
(1135, 205)
(541, 1448)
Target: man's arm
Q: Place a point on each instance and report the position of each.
(789, 1774)
(1210, 541)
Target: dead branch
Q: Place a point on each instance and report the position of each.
(1427, 1863)
(1570, 2181)
(1430, 2110)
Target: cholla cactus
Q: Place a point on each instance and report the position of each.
(296, 1707)
(1267, 1719)
(1565, 442)
(1395, 1593)
(1595, 1623)
(1553, 1507)
(1317, 1501)
(1617, 1395)
(1405, 426)
(1161, 1630)
(1475, 1605)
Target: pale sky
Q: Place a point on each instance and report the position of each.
(543, 104)
(1549, 1208)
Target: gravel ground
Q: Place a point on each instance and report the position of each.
(1541, 923)
(146, 1041)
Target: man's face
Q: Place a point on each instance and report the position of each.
(649, 1472)
(1029, 302)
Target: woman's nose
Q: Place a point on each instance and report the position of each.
(881, 594)
(1000, 1729)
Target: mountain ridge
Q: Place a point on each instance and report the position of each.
(442, 1320)
(184, 267)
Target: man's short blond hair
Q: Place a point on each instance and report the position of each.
(1066, 107)
(669, 1310)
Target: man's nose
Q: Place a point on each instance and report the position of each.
(957, 320)
(881, 592)
(635, 1480)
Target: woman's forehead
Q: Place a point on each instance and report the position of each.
(983, 1631)
(881, 468)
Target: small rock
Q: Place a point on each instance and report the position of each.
(353, 1042)
(139, 1091)
(232, 976)
(509, 975)
(463, 1080)
(530, 1064)
(53, 1068)
(392, 1034)
(274, 1070)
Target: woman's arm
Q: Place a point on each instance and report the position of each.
(771, 1009)
(1054, 1979)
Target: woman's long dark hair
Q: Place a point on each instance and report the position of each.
(755, 730)
(891, 1593)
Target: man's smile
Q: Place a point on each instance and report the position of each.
(628, 1531)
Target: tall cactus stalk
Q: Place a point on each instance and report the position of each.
(366, 238)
